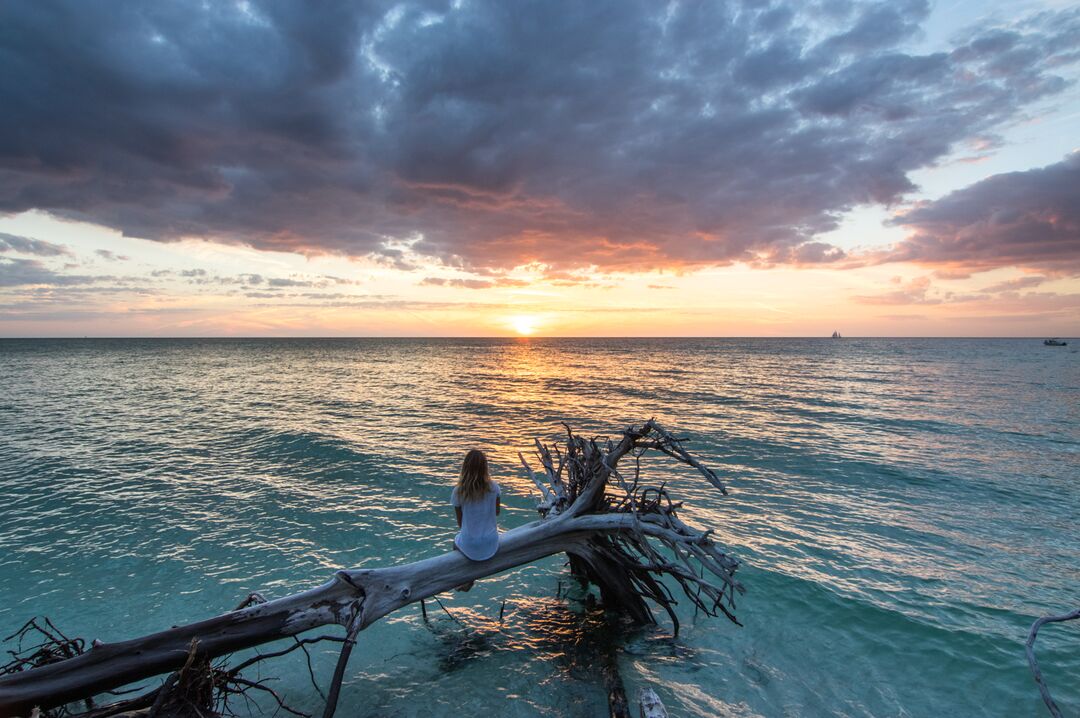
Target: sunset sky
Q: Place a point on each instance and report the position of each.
(567, 169)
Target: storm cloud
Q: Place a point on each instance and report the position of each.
(1026, 219)
(486, 135)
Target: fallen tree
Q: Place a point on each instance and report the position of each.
(620, 533)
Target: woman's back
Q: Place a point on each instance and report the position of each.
(479, 535)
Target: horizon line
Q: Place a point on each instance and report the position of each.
(526, 338)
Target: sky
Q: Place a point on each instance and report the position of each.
(467, 168)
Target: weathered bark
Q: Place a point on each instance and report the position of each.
(650, 704)
(608, 535)
(1029, 646)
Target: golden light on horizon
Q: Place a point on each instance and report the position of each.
(524, 324)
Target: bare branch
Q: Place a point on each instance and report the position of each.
(1029, 647)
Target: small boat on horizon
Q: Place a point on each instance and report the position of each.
(1055, 343)
(836, 335)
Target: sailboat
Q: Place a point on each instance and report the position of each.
(836, 335)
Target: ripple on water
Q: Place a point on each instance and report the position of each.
(903, 507)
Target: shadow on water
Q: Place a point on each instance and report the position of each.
(569, 631)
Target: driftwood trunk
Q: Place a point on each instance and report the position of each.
(650, 704)
(609, 536)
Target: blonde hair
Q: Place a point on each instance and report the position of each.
(475, 480)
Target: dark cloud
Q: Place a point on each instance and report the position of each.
(338, 280)
(472, 283)
(111, 256)
(625, 135)
(802, 254)
(1013, 285)
(289, 282)
(24, 272)
(251, 280)
(29, 245)
(1026, 219)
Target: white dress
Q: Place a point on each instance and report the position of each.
(479, 535)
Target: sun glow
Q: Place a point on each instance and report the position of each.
(524, 324)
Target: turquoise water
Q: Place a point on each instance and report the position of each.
(904, 508)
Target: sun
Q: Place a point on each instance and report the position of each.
(524, 324)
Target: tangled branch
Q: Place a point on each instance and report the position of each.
(656, 542)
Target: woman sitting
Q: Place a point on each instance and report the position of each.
(476, 502)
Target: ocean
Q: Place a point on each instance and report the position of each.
(904, 509)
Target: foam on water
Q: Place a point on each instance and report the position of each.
(905, 508)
